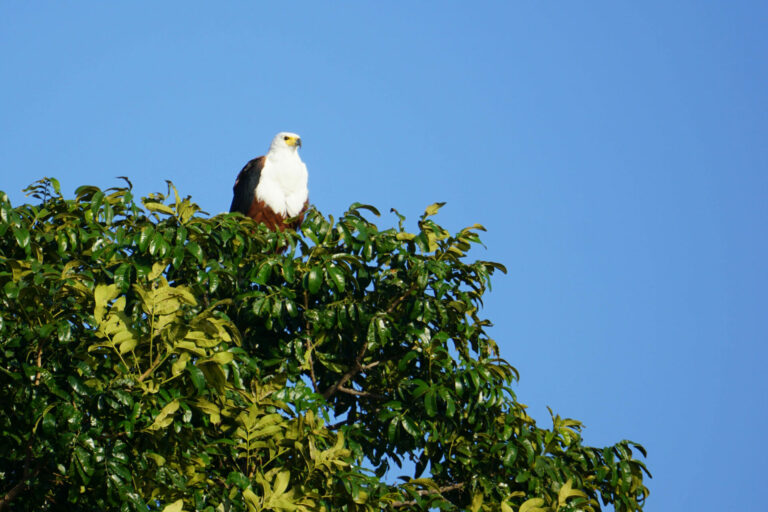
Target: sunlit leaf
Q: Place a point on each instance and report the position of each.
(533, 505)
(176, 506)
(433, 209)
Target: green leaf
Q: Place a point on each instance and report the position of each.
(392, 429)
(432, 209)
(314, 280)
(450, 405)
(61, 241)
(43, 415)
(430, 403)
(96, 201)
(198, 379)
(180, 364)
(158, 268)
(289, 271)
(281, 482)
(223, 357)
(407, 358)
(176, 506)
(494, 265)
(122, 276)
(264, 272)
(522, 477)
(194, 249)
(533, 505)
(360, 206)
(239, 479)
(85, 463)
(156, 244)
(410, 427)
(566, 491)
(459, 386)
(253, 501)
(510, 454)
(335, 277)
(22, 237)
(11, 290)
(477, 502)
(213, 281)
(159, 207)
(63, 331)
(55, 184)
(165, 417)
(78, 386)
(145, 236)
(127, 342)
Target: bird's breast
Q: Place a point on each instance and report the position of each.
(283, 186)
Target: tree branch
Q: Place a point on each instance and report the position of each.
(39, 362)
(355, 392)
(401, 298)
(339, 424)
(357, 367)
(428, 492)
(354, 370)
(24, 482)
(10, 495)
(158, 360)
(310, 347)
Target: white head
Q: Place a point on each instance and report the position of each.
(285, 142)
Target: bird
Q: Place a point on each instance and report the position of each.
(272, 189)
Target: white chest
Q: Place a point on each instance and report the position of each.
(283, 185)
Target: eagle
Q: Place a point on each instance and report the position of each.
(272, 189)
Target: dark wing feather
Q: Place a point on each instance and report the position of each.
(245, 186)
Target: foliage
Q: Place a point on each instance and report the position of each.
(153, 358)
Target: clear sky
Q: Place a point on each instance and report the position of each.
(616, 151)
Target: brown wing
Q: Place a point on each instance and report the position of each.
(260, 212)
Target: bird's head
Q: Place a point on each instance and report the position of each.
(285, 141)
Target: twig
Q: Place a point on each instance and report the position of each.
(310, 347)
(401, 298)
(39, 362)
(10, 495)
(427, 492)
(354, 370)
(158, 360)
(341, 423)
(23, 483)
(355, 392)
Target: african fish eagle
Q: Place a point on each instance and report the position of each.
(273, 188)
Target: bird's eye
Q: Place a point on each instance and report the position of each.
(286, 137)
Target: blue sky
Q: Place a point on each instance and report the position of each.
(616, 151)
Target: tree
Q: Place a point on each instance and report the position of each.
(154, 358)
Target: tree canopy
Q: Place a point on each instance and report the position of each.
(153, 357)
